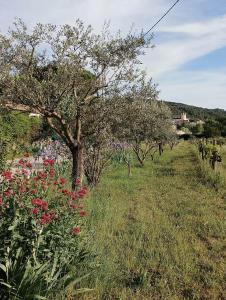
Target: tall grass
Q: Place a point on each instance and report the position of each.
(157, 235)
(208, 176)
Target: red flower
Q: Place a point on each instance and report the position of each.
(62, 181)
(66, 192)
(7, 175)
(42, 175)
(73, 206)
(52, 172)
(22, 163)
(82, 192)
(74, 196)
(35, 211)
(44, 205)
(43, 221)
(24, 172)
(76, 230)
(48, 162)
(29, 165)
(1, 201)
(7, 193)
(82, 213)
(36, 202)
(77, 181)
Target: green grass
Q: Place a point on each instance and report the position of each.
(157, 235)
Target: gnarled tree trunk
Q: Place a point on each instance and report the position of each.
(77, 164)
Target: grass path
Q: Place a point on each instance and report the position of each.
(159, 234)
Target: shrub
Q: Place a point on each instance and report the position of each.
(40, 231)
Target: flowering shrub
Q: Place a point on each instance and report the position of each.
(40, 228)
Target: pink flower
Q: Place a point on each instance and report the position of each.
(51, 172)
(77, 181)
(76, 230)
(62, 181)
(7, 175)
(74, 196)
(82, 213)
(48, 162)
(7, 193)
(29, 165)
(82, 192)
(35, 211)
(36, 202)
(72, 205)
(44, 205)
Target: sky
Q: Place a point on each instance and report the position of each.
(188, 61)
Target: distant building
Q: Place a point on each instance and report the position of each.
(181, 120)
(32, 115)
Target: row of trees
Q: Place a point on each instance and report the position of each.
(88, 88)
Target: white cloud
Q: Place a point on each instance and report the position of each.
(206, 89)
(198, 40)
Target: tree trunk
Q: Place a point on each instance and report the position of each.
(141, 161)
(129, 169)
(160, 149)
(77, 164)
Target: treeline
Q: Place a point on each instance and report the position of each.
(195, 112)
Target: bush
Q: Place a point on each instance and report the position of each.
(40, 221)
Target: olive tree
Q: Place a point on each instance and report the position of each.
(145, 121)
(60, 71)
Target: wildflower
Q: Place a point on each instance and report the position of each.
(74, 196)
(77, 181)
(24, 172)
(7, 193)
(82, 192)
(47, 217)
(42, 175)
(72, 205)
(52, 172)
(62, 181)
(66, 192)
(76, 230)
(82, 213)
(35, 211)
(48, 162)
(36, 202)
(22, 162)
(42, 221)
(7, 175)
(44, 205)
(29, 165)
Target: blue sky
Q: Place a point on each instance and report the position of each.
(189, 60)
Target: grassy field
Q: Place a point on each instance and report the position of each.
(157, 235)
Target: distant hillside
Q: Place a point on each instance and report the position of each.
(194, 112)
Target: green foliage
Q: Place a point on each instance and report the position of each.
(17, 132)
(40, 223)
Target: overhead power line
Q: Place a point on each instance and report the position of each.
(165, 14)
